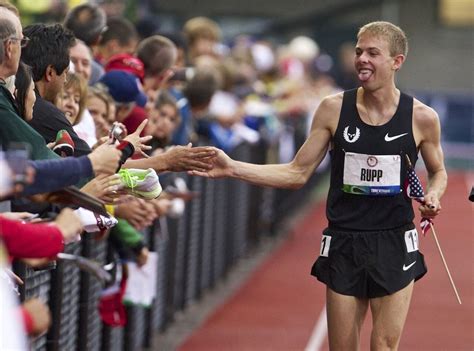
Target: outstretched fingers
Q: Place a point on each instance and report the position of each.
(199, 174)
(144, 140)
(140, 128)
(204, 152)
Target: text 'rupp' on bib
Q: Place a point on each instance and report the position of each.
(374, 175)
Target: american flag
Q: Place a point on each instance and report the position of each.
(414, 190)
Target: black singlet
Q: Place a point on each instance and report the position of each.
(348, 211)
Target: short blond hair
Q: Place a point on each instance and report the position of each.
(201, 27)
(397, 40)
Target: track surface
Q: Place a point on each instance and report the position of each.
(278, 307)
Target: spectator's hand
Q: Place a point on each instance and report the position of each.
(108, 188)
(137, 141)
(105, 159)
(116, 133)
(17, 216)
(188, 158)
(69, 225)
(161, 206)
(124, 133)
(432, 206)
(157, 151)
(101, 141)
(149, 208)
(137, 212)
(36, 262)
(222, 166)
(39, 313)
(142, 258)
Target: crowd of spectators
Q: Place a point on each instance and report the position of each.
(92, 104)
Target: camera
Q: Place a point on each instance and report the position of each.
(116, 132)
(182, 74)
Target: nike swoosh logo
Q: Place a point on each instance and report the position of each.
(391, 138)
(405, 268)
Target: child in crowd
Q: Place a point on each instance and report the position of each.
(164, 118)
(99, 103)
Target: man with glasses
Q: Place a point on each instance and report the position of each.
(23, 41)
(13, 128)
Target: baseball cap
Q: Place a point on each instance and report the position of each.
(127, 63)
(124, 87)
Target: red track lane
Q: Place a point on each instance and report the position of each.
(277, 308)
(436, 321)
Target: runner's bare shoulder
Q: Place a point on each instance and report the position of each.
(327, 114)
(425, 121)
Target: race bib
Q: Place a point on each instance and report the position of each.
(325, 244)
(411, 240)
(375, 175)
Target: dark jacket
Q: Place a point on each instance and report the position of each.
(48, 120)
(52, 175)
(14, 129)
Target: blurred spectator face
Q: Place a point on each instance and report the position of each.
(180, 58)
(81, 58)
(123, 110)
(163, 121)
(204, 46)
(69, 104)
(152, 84)
(158, 55)
(99, 112)
(30, 102)
(203, 35)
(151, 99)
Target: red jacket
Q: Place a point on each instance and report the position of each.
(26, 240)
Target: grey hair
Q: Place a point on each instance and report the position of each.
(7, 30)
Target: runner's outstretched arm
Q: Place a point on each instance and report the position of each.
(290, 175)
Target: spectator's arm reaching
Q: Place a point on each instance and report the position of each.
(52, 175)
(24, 240)
(36, 316)
(178, 159)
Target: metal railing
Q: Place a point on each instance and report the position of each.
(223, 224)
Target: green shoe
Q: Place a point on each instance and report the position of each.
(142, 183)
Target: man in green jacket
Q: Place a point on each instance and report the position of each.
(12, 126)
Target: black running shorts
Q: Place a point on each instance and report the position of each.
(369, 264)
